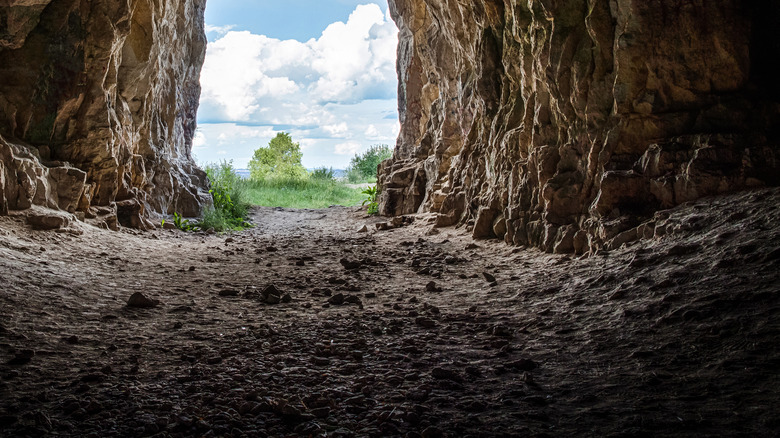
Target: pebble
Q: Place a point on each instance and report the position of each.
(425, 322)
(140, 301)
(22, 357)
(350, 265)
(271, 295)
(431, 287)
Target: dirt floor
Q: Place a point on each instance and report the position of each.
(400, 332)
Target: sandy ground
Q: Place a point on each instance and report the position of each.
(674, 336)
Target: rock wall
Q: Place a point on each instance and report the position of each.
(565, 124)
(98, 101)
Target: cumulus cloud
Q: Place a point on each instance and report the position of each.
(339, 130)
(348, 148)
(219, 30)
(350, 62)
(339, 86)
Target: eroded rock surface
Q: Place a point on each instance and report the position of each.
(563, 125)
(97, 107)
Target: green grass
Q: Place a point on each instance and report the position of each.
(301, 193)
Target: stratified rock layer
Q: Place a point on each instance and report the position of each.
(564, 124)
(97, 107)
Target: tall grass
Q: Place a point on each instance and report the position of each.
(301, 193)
(230, 195)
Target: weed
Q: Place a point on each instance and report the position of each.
(373, 205)
(183, 224)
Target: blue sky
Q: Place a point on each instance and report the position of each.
(324, 71)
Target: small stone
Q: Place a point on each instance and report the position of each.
(271, 249)
(425, 322)
(489, 277)
(271, 295)
(382, 226)
(300, 263)
(501, 331)
(286, 298)
(350, 265)
(191, 268)
(352, 299)
(450, 260)
(22, 357)
(47, 221)
(431, 287)
(337, 299)
(472, 246)
(363, 229)
(370, 295)
(140, 301)
(228, 293)
(229, 240)
(321, 412)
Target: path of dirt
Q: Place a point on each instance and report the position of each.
(676, 336)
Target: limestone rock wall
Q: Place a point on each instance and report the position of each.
(565, 124)
(98, 102)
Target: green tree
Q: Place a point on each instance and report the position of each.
(280, 159)
(363, 166)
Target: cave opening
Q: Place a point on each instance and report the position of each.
(322, 72)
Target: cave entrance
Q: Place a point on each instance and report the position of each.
(296, 91)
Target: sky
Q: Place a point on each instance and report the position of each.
(321, 70)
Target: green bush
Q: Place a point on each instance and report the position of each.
(322, 173)
(229, 192)
(363, 167)
(280, 159)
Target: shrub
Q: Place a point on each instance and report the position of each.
(280, 159)
(229, 192)
(363, 167)
(322, 173)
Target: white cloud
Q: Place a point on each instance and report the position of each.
(245, 73)
(372, 132)
(199, 140)
(339, 130)
(219, 30)
(348, 148)
(333, 94)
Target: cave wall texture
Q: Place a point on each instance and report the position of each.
(566, 124)
(98, 103)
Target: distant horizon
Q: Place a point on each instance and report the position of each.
(322, 71)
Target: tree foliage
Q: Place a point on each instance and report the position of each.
(363, 166)
(280, 159)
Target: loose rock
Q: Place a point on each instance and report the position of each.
(140, 301)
